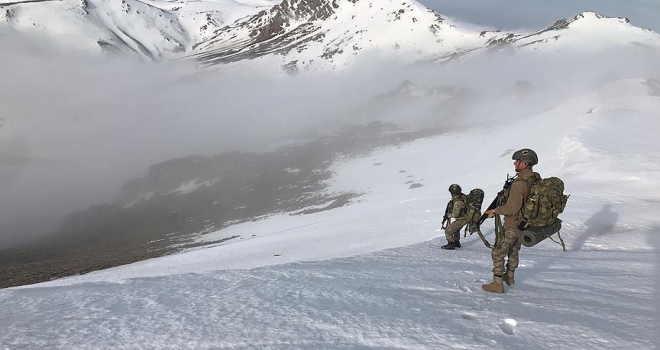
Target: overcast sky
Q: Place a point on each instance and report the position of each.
(534, 14)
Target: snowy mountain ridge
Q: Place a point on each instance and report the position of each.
(154, 30)
(296, 35)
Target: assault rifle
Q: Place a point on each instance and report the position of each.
(507, 184)
(445, 218)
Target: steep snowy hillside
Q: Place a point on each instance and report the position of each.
(585, 32)
(330, 35)
(307, 282)
(153, 29)
(311, 34)
(297, 35)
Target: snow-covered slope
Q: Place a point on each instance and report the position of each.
(586, 32)
(317, 35)
(310, 34)
(324, 280)
(296, 35)
(153, 29)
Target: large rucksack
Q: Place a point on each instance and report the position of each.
(473, 203)
(545, 201)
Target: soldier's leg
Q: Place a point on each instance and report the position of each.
(449, 235)
(516, 236)
(503, 248)
(460, 223)
(457, 235)
(453, 231)
(498, 254)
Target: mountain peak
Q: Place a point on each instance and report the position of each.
(275, 20)
(587, 18)
(583, 32)
(331, 33)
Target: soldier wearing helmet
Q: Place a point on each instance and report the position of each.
(524, 160)
(456, 209)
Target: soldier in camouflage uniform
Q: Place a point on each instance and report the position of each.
(458, 205)
(524, 160)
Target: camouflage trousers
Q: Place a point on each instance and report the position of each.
(453, 230)
(509, 246)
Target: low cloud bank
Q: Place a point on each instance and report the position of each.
(74, 128)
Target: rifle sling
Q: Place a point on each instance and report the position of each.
(483, 239)
(499, 230)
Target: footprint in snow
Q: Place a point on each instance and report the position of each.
(508, 325)
(469, 316)
(466, 289)
(485, 340)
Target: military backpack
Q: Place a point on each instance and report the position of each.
(473, 204)
(545, 201)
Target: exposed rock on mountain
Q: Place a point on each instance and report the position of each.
(297, 35)
(416, 104)
(152, 29)
(180, 199)
(318, 34)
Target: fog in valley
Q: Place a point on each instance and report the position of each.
(75, 128)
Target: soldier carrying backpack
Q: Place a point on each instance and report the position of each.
(456, 209)
(530, 206)
(510, 244)
(466, 209)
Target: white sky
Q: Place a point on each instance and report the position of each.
(537, 14)
(371, 274)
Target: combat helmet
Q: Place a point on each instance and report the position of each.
(526, 155)
(455, 189)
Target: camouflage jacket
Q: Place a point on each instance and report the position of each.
(459, 206)
(518, 192)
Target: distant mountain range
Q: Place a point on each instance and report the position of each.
(295, 35)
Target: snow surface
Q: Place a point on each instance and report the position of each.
(371, 274)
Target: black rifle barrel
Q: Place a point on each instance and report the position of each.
(446, 216)
(493, 205)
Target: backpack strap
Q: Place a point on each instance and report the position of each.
(483, 239)
(563, 246)
(499, 229)
(531, 181)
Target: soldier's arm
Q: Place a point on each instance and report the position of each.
(515, 201)
(456, 211)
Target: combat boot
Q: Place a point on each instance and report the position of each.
(508, 278)
(494, 287)
(449, 246)
(457, 244)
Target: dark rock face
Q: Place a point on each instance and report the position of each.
(294, 25)
(273, 21)
(275, 25)
(653, 86)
